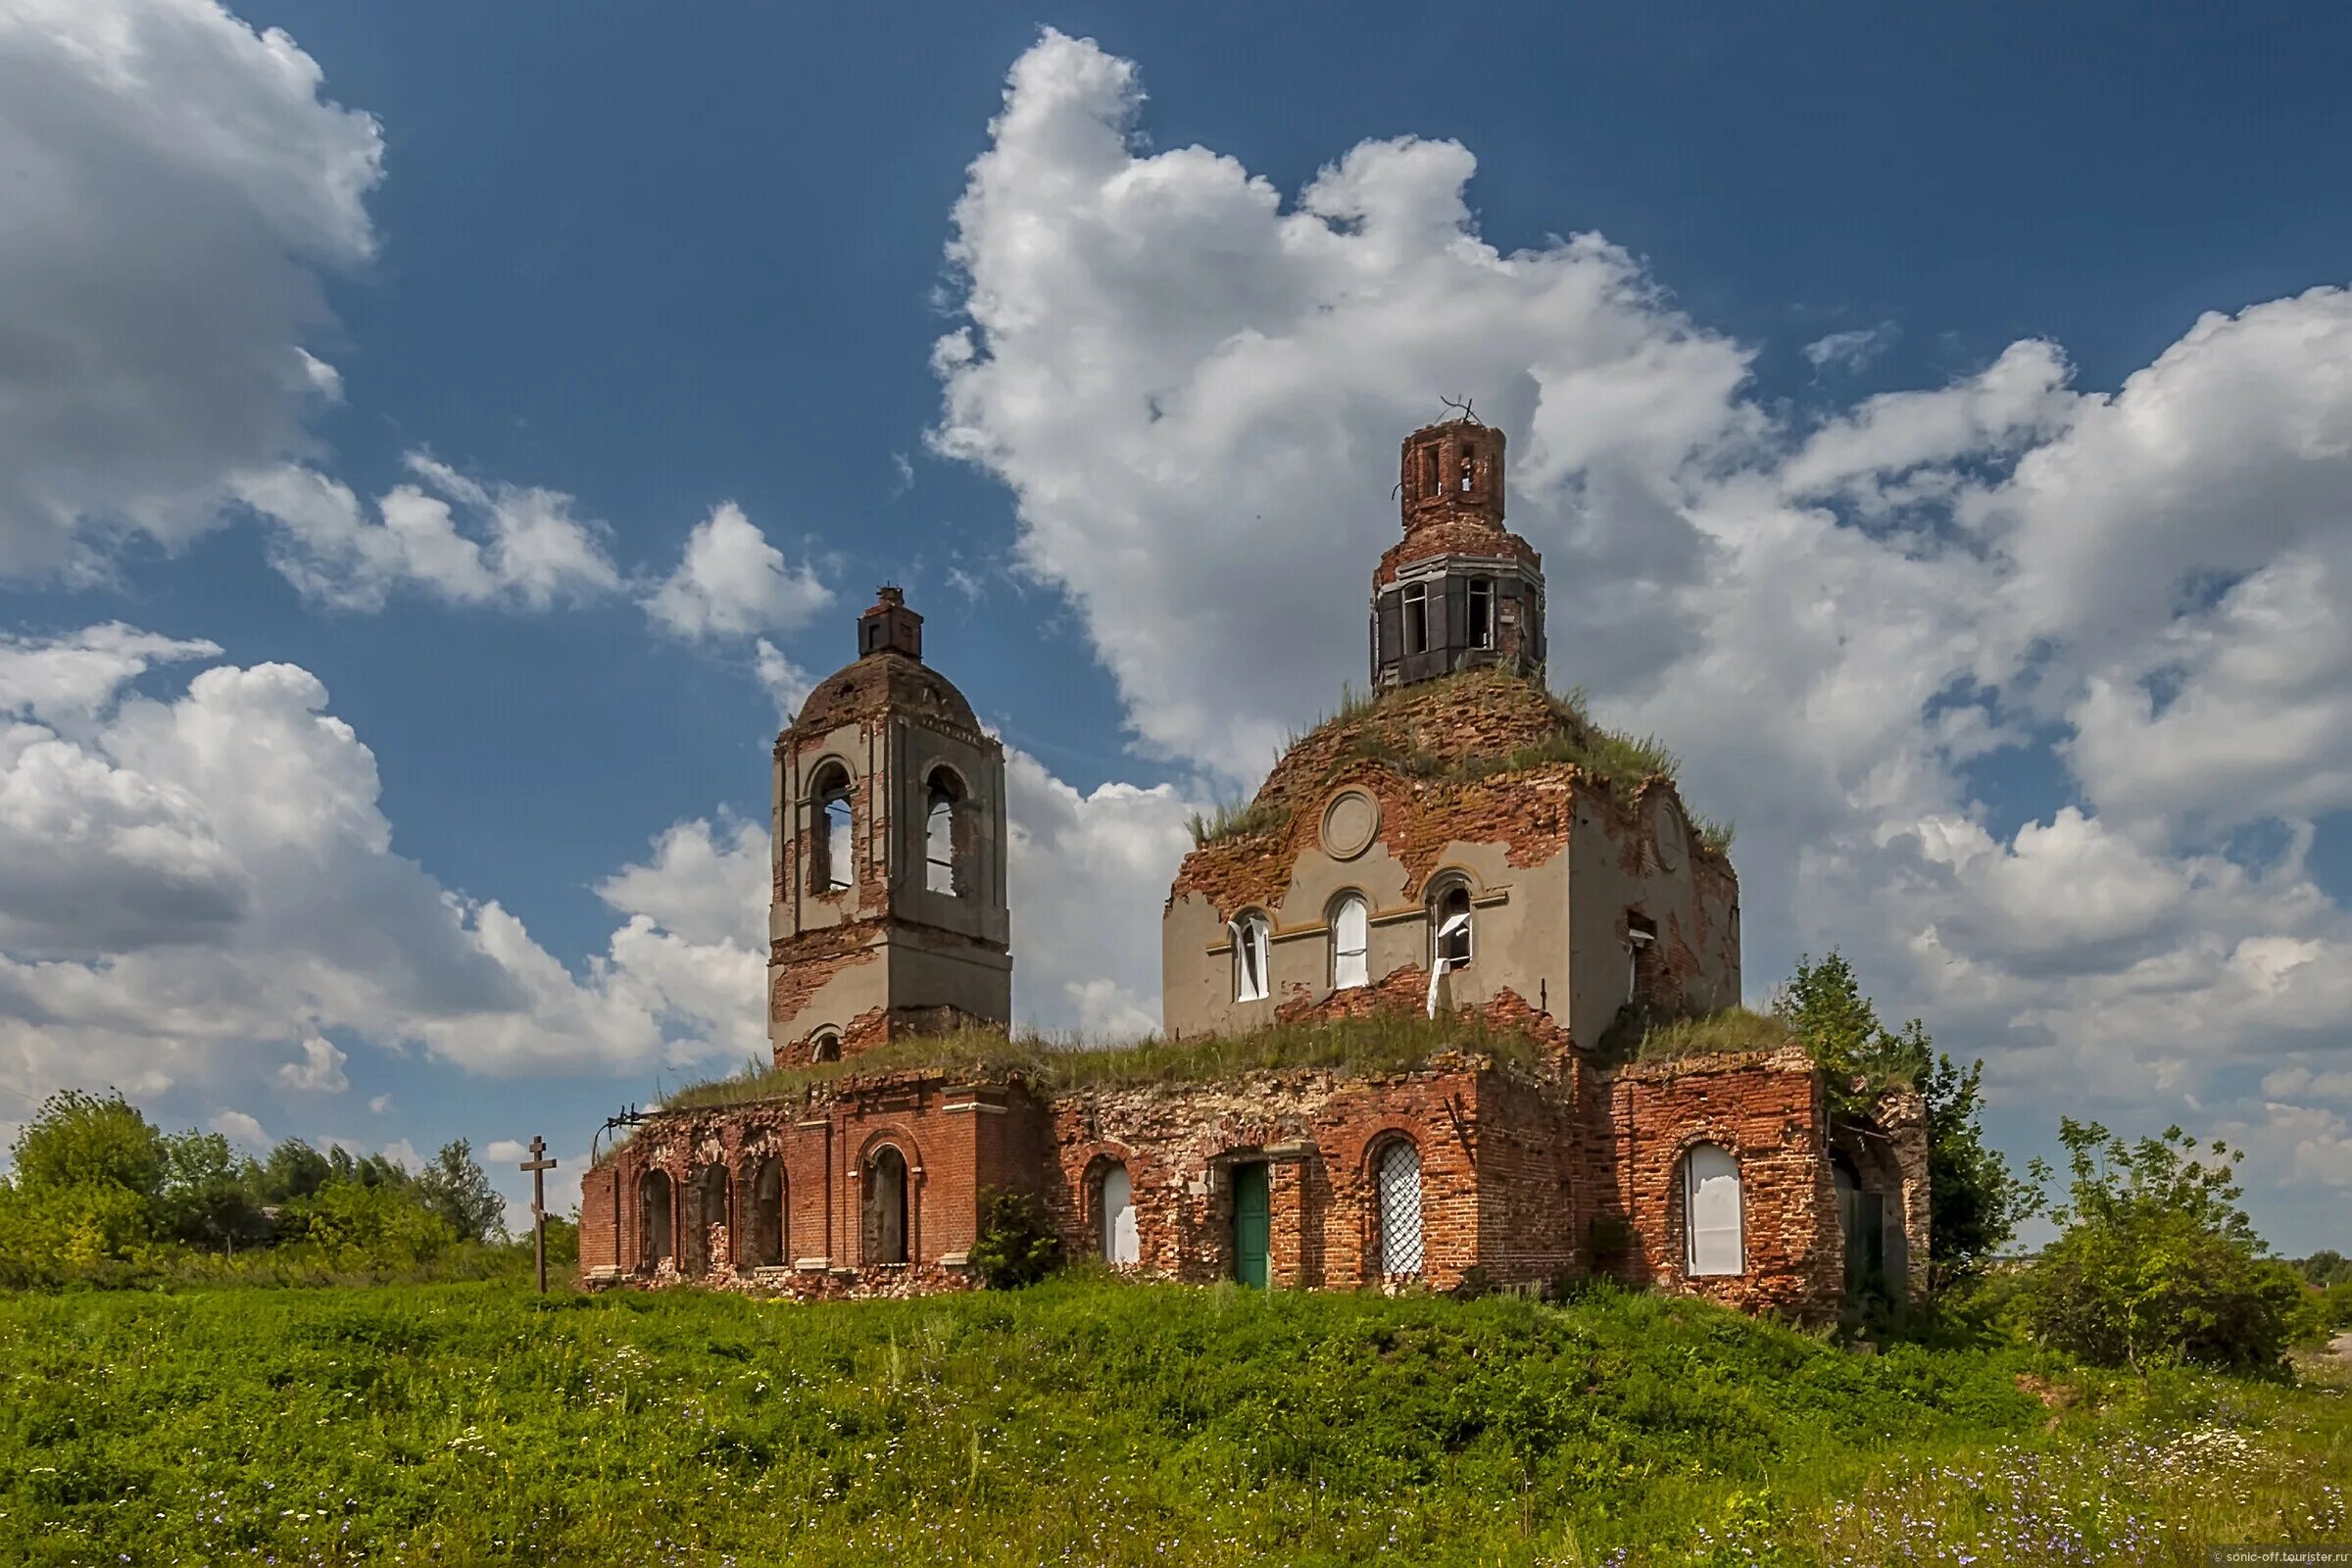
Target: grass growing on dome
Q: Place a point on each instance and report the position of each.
(1237, 820)
(1360, 1047)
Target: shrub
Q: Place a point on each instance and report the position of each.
(2156, 1263)
(1016, 1246)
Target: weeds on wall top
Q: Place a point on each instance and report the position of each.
(1360, 1047)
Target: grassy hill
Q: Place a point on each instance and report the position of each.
(1087, 1421)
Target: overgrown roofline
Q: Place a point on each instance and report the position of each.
(1368, 1047)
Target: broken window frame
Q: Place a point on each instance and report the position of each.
(1350, 942)
(1480, 598)
(1451, 927)
(825, 1045)
(1416, 617)
(1252, 950)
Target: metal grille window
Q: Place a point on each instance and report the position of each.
(1400, 1209)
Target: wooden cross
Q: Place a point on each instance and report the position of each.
(539, 1165)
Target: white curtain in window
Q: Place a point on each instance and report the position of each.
(1711, 1210)
(1249, 943)
(1348, 925)
(1119, 1244)
(1400, 1209)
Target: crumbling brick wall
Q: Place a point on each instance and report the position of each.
(1767, 1112)
(1320, 1136)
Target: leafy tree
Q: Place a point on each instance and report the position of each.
(357, 1228)
(293, 1170)
(1975, 1202)
(1824, 1006)
(207, 1196)
(1015, 1245)
(2156, 1262)
(457, 1189)
(81, 1140)
(2326, 1268)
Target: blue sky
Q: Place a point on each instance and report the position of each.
(1880, 461)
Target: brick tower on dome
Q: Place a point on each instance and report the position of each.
(1459, 591)
(888, 914)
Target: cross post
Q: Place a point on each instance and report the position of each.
(539, 1165)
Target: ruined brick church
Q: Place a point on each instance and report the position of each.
(1444, 848)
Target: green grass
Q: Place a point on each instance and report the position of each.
(1234, 819)
(1385, 1043)
(1733, 1030)
(1093, 1422)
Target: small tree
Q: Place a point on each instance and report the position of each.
(1975, 1202)
(456, 1188)
(207, 1198)
(1824, 1006)
(2156, 1262)
(82, 1140)
(1015, 1245)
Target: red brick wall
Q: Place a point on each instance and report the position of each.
(1767, 1112)
(600, 1219)
(1320, 1137)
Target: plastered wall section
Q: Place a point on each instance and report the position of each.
(862, 959)
(1519, 911)
(1648, 864)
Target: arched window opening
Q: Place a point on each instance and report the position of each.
(763, 1244)
(1350, 929)
(706, 1234)
(1469, 468)
(885, 1201)
(832, 842)
(1398, 1178)
(653, 1219)
(1711, 1220)
(1117, 1207)
(1252, 942)
(1429, 470)
(1450, 934)
(1641, 973)
(943, 830)
(825, 1045)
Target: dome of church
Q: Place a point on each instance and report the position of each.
(888, 674)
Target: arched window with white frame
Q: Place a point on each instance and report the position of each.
(1396, 1176)
(1350, 934)
(1253, 945)
(1711, 1213)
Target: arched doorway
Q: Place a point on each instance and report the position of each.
(652, 1220)
(884, 1200)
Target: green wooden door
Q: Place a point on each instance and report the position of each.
(1253, 1226)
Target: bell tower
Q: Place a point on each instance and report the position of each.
(888, 914)
(1459, 591)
